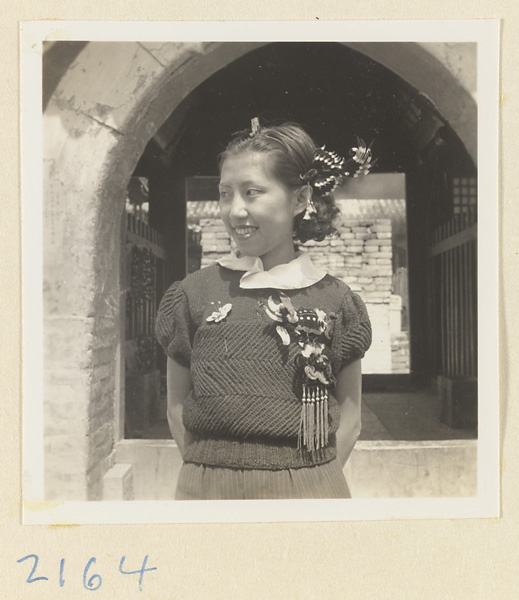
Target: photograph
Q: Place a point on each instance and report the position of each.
(255, 273)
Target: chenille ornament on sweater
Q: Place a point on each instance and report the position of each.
(309, 328)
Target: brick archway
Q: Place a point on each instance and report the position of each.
(107, 105)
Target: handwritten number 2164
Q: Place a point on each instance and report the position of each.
(91, 581)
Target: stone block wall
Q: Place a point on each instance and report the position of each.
(79, 408)
(80, 360)
(360, 255)
(215, 241)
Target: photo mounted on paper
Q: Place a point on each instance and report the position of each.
(136, 195)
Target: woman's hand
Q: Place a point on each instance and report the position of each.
(348, 390)
(179, 387)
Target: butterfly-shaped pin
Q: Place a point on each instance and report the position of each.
(220, 314)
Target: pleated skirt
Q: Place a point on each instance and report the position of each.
(202, 482)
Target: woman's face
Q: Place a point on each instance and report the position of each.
(257, 209)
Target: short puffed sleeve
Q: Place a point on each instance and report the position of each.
(355, 334)
(172, 326)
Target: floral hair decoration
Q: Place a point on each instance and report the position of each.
(309, 328)
(329, 169)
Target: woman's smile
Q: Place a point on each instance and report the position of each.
(242, 232)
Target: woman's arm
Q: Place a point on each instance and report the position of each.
(348, 394)
(179, 387)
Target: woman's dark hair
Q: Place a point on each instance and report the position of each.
(291, 153)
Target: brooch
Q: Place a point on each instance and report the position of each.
(219, 314)
(309, 328)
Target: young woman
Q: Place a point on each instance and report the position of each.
(264, 348)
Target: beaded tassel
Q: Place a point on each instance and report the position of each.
(313, 430)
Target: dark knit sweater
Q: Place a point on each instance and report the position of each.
(245, 407)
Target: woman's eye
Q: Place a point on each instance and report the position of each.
(253, 192)
(223, 194)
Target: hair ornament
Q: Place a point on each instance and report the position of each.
(325, 173)
(254, 126)
(310, 210)
(245, 134)
(361, 160)
(328, 169)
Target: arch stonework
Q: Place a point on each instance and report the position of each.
(107, 105)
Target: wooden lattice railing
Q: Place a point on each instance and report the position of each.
(453, 295)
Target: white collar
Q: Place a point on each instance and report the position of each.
(294, 275)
